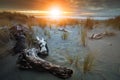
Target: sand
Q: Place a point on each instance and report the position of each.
(106, 51)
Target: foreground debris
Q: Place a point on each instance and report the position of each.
(101, 35)
(33, 58)
(63, 29)
(32, 61)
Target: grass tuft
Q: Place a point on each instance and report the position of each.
(83, 36)
(65, 35)
(73, 60)
(89, 23)
(47, 33)
(88, 63)
(77, 62)
(69, 58)
(4, 36)
(30, 37)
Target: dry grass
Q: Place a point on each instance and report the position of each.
(69, 58)
(30, 41)
(65, 35)
(83, 36)
(47, 33)
(81, 67)
(5, 22)
(5, 42)
(10, 18)
(77, 62)
(73, 60)
(4, 36)
(89, 23)
(88, 63)
(114, 22)
(109, 33)
(30, 36)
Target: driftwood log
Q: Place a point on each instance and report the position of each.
(30, 60)
(98, 36)
(18, 33)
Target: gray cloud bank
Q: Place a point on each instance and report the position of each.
(97, 7)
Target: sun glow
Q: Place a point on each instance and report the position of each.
(55, 13)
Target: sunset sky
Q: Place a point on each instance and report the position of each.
(73, 7)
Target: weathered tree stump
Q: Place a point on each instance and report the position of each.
(20, 44)
(18, 32)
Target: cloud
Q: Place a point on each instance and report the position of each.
(77, 6)
(95, 8)
(32, 4)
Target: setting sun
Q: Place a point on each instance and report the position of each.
(55, 13)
